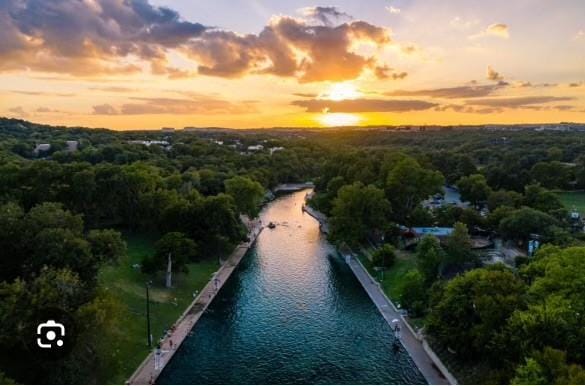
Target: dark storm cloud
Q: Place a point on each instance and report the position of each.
(363, 105)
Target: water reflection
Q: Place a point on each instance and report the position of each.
(291, 313)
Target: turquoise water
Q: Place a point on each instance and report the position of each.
(291, 314)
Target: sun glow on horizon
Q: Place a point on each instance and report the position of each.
(339, 119)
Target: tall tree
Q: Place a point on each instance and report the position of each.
(474, 189)
(473, 309)
(458, 245)
(357, 210)
(178, 246)
(247, 194)
(408, 184)
(106, 245)
(430, 255)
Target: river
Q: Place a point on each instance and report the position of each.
(291, 314)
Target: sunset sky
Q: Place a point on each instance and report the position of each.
(133, 64)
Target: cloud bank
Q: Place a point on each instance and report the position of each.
(96, 37)
(363, 105)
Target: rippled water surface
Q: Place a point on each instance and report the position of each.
(291, 313)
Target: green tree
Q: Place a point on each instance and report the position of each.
(521, 223)
(430, 255)
(505, 198)
(473, 308)
(22, 305)
(413, 293)
(357, 210)
(541, 199)
(551, 175)
(107, 245)
(52, 215)
(458, 245)
(408, 184)
(61, 248)
(555, 313)
(247, 194)
(474, 189)
(178, 246)
(384, 256)
(12, 244)
(549, 366)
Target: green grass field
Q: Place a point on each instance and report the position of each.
(393, 276)
(127, 284)
(573, 200)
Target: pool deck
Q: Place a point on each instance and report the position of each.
(425, 359)
(148, 372)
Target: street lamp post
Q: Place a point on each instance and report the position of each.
(149, 335)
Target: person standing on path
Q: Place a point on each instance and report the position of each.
(157, 355)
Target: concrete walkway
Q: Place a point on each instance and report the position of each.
(152, 366)
(320, 217)
(414, 347)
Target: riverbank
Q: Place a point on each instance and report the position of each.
(320, 217)
(425, 359)
(290, 188)
(125, 283)
(153, 365)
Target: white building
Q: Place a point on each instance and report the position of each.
(72, 146)
(255, 148)
(272, 150)
(43, 147)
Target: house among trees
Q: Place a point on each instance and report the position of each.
(41, 148)
(412, 236)
(72, 146)
(256, 148)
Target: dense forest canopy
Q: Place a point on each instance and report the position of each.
(64, 208)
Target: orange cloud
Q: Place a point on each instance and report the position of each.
(123, 37)
(197, 105)
(289, 47)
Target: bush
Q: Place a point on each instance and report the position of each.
(413, 296)
(384, 257)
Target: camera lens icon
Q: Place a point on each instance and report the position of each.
(50, 333)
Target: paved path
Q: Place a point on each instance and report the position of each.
(409, 340)
(320, 217)
(148, 371)
(292, 187)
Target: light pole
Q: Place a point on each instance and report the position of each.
(149, 335)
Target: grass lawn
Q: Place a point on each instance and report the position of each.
(393, 276)
(573, 200)
(127, 285)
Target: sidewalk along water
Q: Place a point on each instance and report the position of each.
(292, 312)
